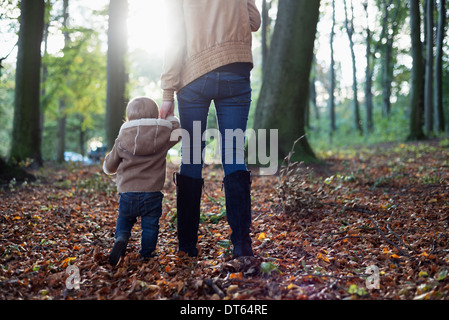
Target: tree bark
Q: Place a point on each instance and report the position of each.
(428, 91)
(48, 6)
(333, 125)
(368, 76)
(440, 126)
(355, 100)
(62, 118)
(386, 59)
(117, 77)
(389, 31)
(417, 81)
(26, 135)
(284, 95)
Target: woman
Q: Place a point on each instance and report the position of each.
(209, 58)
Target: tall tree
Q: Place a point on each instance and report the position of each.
(62, 116)
(438, 85)
(48, 6)
(284, 95)
(333, 125)
(117, 77)
(26, 137)
(417, 81)
(428, 86)
(390, 28)
(368, 73)
(349, 23)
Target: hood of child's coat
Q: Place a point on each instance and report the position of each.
(145, 136)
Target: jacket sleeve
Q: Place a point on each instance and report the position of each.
(175, 137)
(254, 16)
(112, 161)
(175, 49)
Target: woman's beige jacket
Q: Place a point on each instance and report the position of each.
(203, 35)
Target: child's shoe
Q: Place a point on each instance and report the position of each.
(117, 252)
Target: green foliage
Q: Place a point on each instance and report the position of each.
(77, 77)
(386, 129)
(214, 216)
(356, 290)
(9, 10)
(172, 219)
(98, 183)
(268, 268)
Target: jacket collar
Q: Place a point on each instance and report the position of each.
(146, 122)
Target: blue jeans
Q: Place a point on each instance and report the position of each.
(231, 94)
(147, 206)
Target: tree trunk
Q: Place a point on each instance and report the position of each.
(62, 121)
(386, 61)
(333, 125)
(386, 80)
(9, 172)
(26, 142)
(117, 76)
(389, 30)
(428, 91)
(44, 65)
(438, 89)
(82, 135)
(355, 101)
(284, 96)
(62, 118)
(368, 76)
(417, 85)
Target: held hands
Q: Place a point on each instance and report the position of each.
(167, 109)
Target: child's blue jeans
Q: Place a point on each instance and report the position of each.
(231, 94)
(147, 206)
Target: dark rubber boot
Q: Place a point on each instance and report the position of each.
(189, 192)
(238, 211)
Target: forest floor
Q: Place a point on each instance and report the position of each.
(384, 208)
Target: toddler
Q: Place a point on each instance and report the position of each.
(138, 158)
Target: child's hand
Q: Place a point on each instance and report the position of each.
(167, 109)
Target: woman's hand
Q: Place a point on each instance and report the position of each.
(167, 109)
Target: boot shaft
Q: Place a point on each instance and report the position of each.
(238, 211)
(188, 198)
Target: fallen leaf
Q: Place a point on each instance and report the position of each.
(67, 261)
(236, 276)
(323, 257)
(423, 274)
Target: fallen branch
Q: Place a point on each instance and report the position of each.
(397, 237)
(388, 240)
(214, 287)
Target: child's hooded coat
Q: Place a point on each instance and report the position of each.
(139, 154)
